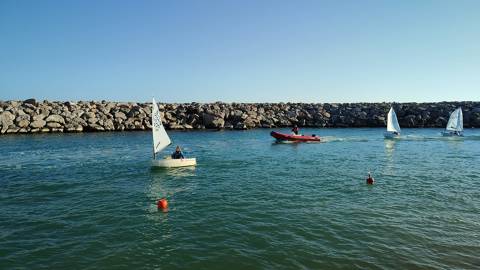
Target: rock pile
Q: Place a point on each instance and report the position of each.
(30, 116)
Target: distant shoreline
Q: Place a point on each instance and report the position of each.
(31, 116)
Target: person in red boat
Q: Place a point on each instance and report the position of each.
(295, 130)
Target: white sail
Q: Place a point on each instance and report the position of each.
(160, 136)
(455, 122)
(392, 122)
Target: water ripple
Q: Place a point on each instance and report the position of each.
(89, 200)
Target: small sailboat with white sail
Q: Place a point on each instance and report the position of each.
(161, 141)
(455, 124)
(393, 128)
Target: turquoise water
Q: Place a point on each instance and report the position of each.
(88, 201)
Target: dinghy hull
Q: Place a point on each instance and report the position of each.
(174, 163)
(294, 138)
(452, 134)
(391, 135)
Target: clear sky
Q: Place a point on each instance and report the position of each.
(240, 50)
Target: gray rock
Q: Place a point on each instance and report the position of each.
(54, 125)
(23, 123)
(55, 118)
(89, 115)
(31, 101)
(108, 125)
(12, 129)
(6, 119)
(92, 120)
(120, 115)
(38, 124)
(74, 128)
(22, 118)
(176, 126)
(212, 121)
(441, 122)
(31, 116)
(39, 117)
(95, 127)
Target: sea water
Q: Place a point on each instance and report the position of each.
(88, 201)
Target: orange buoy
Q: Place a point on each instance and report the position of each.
(370, 180)
(162, 204)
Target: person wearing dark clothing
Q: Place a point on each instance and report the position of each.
(177, 154)
(370, 179)
(295, 130)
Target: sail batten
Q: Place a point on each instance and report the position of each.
(455, 122)
(392, 122)
(160, 136)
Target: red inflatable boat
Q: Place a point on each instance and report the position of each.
(294, 138)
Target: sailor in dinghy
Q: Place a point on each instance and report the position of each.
(161, 141)
(455, 124)
(393, 128)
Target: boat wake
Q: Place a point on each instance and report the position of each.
(326, 139)
(329, 139)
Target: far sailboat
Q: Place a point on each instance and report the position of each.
(455, 124)
(393, 128)
(161, 141)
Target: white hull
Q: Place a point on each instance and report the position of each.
(174, 163)
(391, 135)
(452, 134)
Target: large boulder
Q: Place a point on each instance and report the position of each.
(475, 119)
(6, 119)
(108, 124)
(22, 117)
(212, 121)
(31, 101)
(73, 128)
(120, 115)
(13, 129)
(408, 121)
(250, 123)
(23, 123)
(38, 124)
(441, 122)
(55, 118)
(39, 117)
(54, 125)
(476, 110)
(92, 120)
(89, 115)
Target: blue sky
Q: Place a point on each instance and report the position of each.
(240, 51)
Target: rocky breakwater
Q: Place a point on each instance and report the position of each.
(30, 116)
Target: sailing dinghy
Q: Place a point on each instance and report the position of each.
(455, 124)
(393, 128)
(161, 141)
